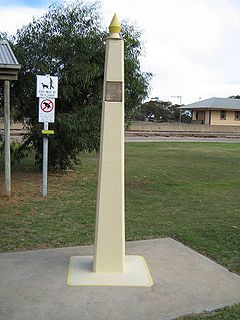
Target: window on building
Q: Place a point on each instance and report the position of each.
(222, 115)
(237, 115)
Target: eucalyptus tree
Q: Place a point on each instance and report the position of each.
(69, 42)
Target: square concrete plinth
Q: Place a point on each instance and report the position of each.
(136, 273)
(33, 285)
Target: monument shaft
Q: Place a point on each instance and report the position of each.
(109, 252)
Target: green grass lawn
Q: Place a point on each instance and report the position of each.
(186, 191)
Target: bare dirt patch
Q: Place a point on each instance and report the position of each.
(27, 185)
(136, 184)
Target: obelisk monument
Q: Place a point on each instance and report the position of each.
(109, 253)
(109, 266)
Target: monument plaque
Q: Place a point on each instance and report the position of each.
(113, 91)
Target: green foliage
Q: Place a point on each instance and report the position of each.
(68, 42)
(18, 151)
(160, 109)
(163, 111)
(136, 84)
(235, 97)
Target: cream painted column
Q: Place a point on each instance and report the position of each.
(109, 250)
(109, 266)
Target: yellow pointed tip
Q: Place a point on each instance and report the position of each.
(115, 26)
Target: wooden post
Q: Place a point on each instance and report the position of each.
(7, 157)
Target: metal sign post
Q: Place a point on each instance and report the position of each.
(47, 91)
(45, 162)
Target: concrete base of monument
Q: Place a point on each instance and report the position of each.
(136, 274)
(34, 285)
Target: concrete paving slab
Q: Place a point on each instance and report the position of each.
(136, 273)
(33, 285)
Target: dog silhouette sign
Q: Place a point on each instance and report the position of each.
(46, 110)
(47, 86)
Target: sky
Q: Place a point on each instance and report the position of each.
(192, 47)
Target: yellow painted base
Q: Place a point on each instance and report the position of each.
(137, 273)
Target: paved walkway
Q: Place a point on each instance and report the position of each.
(33, 285)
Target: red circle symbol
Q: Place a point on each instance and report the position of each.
(47, 105)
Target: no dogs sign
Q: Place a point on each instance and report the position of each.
(46, 110)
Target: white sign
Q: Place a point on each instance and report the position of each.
(46, 110)
(47, 86)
